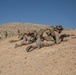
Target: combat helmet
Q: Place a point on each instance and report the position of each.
(59, 27)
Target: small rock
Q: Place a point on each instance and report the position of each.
(25, 57)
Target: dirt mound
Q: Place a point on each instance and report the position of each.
(59, 59)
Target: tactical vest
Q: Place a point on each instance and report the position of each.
(50, 31)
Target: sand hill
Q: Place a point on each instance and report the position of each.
(59, 59)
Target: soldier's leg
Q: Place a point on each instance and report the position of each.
(11, 41)
(16, 40)
(34, 45)
(47, 43)
(21, 44)
(31, 47)
(20, 37)
(39, 45)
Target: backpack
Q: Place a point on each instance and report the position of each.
(49, 31)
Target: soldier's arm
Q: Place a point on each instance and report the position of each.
(57, 38)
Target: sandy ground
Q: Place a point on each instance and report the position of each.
(59, 59)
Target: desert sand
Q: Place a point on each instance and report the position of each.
(59, 59)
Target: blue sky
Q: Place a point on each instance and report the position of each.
(50, 12)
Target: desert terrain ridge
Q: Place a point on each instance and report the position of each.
(59, 59)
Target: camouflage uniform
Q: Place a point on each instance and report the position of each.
(20, 36)
(48, 38)
(28, 39)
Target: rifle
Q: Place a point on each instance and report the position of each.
(67, 35)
